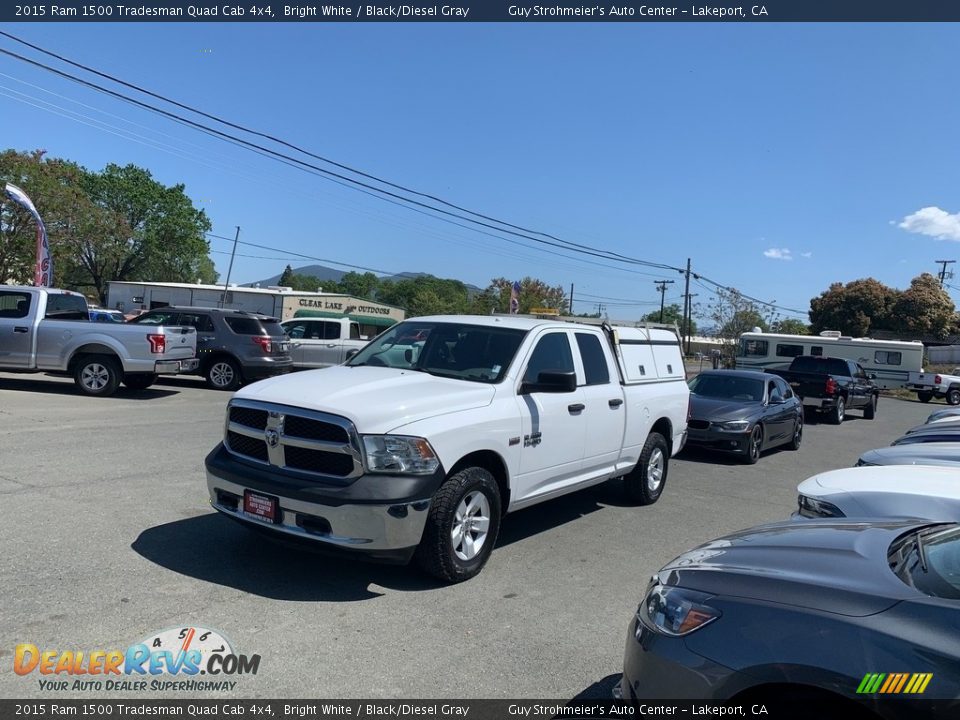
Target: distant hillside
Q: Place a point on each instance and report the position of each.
(322, 272)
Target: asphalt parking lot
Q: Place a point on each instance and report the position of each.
(108, 537)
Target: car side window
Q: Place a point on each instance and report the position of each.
(773, 392)
(157, 318)
(354, 331)
(296, 331)
(331, 331)
(594, 360)
(201, 322)
(67, 307)
(14, 304)
(784, 388)
(551, 353)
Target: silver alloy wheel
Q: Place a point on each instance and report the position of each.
(471, 523)
(655, 467)
(841, 409)
(95, 376)
(221, 374)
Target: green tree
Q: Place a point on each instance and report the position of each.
(425, 295)
(853, 309)
(923, 309)
(286, 277)
(790, 326)
(533, 294)
(671, 314)
(731, 315)
(361, 285)
(55, 186)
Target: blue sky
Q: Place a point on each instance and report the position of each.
(737, 146)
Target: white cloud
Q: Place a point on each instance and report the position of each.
(934, 222)
(778, 254)
(806, 255)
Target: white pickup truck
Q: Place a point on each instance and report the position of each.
(48, 330)
(422, 441)
(322, 342)
(928, 385)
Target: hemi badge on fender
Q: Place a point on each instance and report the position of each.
(514, 441)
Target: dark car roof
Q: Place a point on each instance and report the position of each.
(754, 374)
(947, 427)
(830, 565)
(223, 311)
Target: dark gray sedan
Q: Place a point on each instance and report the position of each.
(743, 412)
(813, 611)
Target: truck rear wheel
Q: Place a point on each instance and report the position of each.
(644, 484)
(953, 396)
(97, 375)
(462, 526)
(839, 411)
(924, 396)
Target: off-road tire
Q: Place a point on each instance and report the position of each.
(643, 485)
(97, 375)
(436, 553)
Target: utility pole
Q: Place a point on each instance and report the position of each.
(570, 310)
(685, 326)
(226, 285)
(690, 298)
(662, 289)
(943, 269)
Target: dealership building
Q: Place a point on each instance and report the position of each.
(281, 302)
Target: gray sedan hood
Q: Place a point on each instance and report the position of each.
(829, 565)
(715, 409)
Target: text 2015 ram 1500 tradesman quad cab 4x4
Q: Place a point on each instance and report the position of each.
(421, 442)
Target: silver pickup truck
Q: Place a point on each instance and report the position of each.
(48, 330)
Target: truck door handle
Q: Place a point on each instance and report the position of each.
(331, 344)
(615, 403)
(576, 407)
(21, 329)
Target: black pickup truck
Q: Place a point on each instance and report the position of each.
(831, 386)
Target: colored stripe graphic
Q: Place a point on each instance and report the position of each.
(894, 683)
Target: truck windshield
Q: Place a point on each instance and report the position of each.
(467, 352)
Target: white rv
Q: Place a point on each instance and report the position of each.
(891, 361)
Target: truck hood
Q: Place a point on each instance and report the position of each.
(375, 399)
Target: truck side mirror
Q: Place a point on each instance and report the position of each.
(552, 381)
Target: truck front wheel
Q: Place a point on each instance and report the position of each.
(644, 484)
(953, 396)
(462, 526)
(97, 375)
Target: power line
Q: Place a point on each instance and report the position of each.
(353, 183)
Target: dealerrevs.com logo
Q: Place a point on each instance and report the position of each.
(171, 660)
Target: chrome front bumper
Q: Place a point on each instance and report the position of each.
(358, 527)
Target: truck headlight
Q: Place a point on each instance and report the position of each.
(675, 611)
(399, 454)
(733, 425)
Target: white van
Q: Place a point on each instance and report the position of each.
(891, 361)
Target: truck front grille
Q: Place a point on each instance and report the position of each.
(288, 438)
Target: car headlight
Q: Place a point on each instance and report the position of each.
(675, 611)
(814, 508)
(399, 454)
(733, 425)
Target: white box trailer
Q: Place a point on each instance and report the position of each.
(891, 361)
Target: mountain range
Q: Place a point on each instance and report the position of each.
(322, 272)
